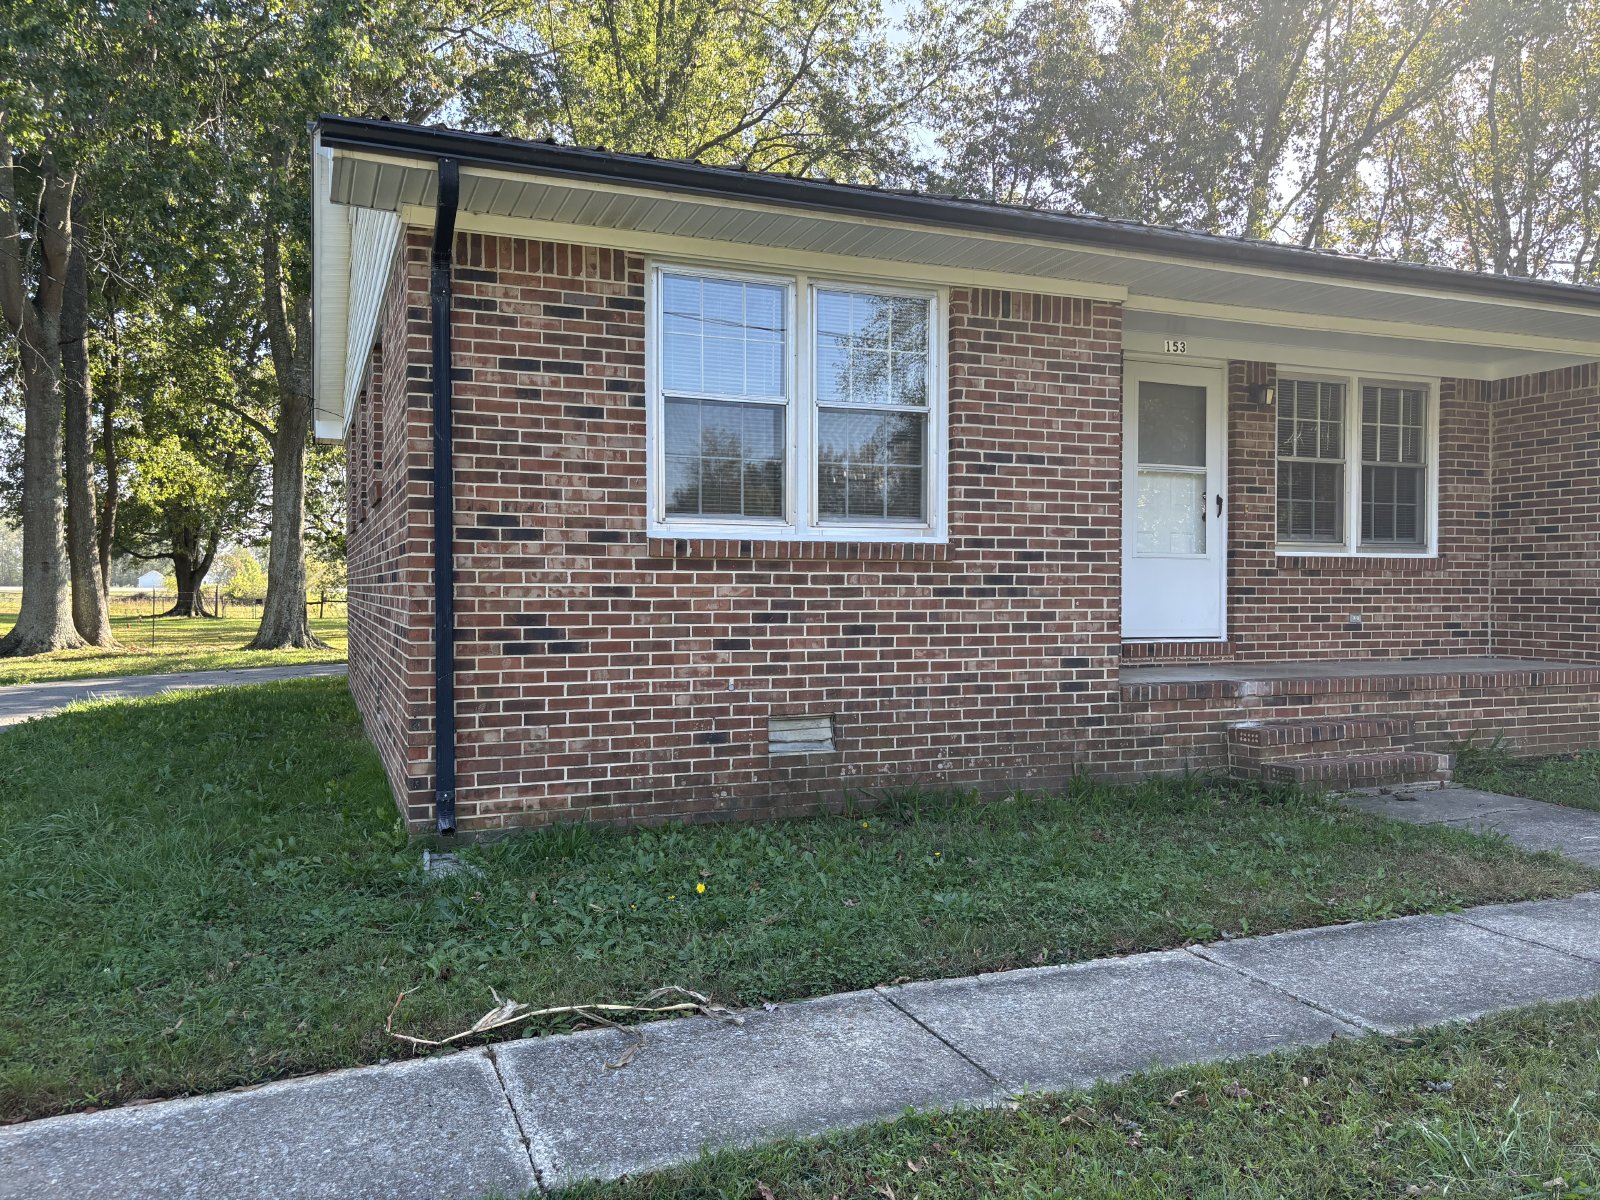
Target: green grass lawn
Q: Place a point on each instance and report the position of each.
(1509, 1107)
(1570, 779)
(173, 644)
(210, 889)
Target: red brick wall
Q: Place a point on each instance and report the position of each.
(603, 674)
(390, 535)
(1291, 608)
(1547, 514)
(1164, 728)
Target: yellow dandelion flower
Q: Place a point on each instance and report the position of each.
(700, 889)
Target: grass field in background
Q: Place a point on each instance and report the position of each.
(245, 904)
(1504, 1109)
(155, 646)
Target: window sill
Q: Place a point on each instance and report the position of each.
(1366, 560)
(797, 550)
(1341, 552)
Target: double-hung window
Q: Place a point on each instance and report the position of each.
(1354, 476)
(791, 407)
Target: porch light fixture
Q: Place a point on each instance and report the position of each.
(1263, 395)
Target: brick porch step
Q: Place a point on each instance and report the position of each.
(1360, 770)
(1256, 746)
(1316, 730)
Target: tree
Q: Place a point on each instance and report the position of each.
(242, 576)
(792, 85)
(90, 608)
(77, 84)
(1251, 117)
(33, 273)
(195, 456)
(288, 62)
(1501, 171)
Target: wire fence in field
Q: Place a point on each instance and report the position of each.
(148, 607)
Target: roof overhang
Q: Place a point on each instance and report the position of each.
(1222, 297)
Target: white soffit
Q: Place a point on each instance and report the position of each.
(330, 296)
(1220, 303)
(1255, 337)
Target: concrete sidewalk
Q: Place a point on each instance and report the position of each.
(542, 1112)
(24, 701)
(1530, 824)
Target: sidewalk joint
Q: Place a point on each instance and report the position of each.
(939, 1037)
(1351, 1019)
(522, 1132)
(1461, 918)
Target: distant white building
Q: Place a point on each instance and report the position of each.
(150, 580)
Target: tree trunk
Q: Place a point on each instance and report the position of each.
(285, 623)
(190, 574)
(89, 608)
(190, 565)
(108, 502)
(45, 620)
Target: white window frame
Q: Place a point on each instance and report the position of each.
(800, 522)
(1351, 546)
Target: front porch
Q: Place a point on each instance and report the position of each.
(1350, 722)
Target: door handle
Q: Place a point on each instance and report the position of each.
(1219, 504)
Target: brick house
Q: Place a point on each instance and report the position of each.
(698, 493)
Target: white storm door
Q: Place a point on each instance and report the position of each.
(1174, 535)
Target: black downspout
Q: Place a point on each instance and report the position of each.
(444, 502)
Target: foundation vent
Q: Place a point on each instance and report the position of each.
(800, 735)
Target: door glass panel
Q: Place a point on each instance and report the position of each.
(1170, 517)
(1172, 424)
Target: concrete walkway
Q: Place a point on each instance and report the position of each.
(542, 1112)
(1531, 824)
(26, 700)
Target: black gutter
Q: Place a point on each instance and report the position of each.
(444, 501)
(488, 150)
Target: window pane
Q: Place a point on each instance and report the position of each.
(870, 466)
(1310, 419)
(1170, 517)
(872, 349)
(1392, 424)
(1310, 502)
(1172, 424)
(724, 459)
(1392, 505)
(722, 337)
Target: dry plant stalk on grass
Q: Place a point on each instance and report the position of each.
(509, 1012)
